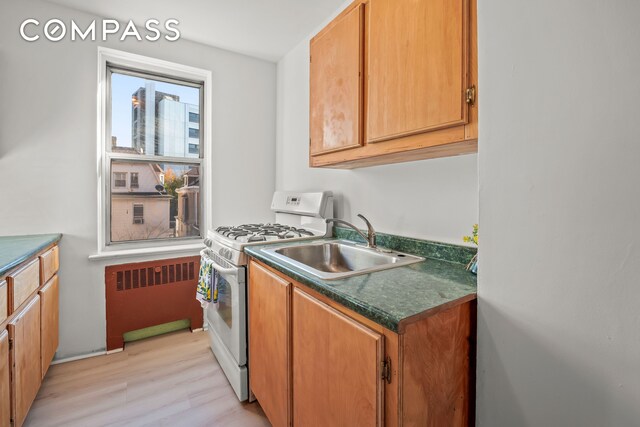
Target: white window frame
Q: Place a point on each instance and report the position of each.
(128, 60)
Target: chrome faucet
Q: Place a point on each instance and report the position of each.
(370, 237)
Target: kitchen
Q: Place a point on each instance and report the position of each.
(552, 186)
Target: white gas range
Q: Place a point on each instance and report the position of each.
(298, 216)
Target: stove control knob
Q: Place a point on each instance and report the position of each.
(208, 242)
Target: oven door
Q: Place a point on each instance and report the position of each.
(227, 318)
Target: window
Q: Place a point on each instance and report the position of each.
(119, 179)
(138, 214)
(147, 109)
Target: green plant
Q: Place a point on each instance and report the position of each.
(474, 236)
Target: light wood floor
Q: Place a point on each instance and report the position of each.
(170, 380)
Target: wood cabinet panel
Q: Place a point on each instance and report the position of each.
(437, 380)
(4, 300)
(336, 84)
(24, 330)
(417, 66)
(269, 343)
(336, 367)
(5, 378)
(49, 325)
(23, 283)
(420, 57)
(49, 264)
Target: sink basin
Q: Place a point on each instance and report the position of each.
(338, 259)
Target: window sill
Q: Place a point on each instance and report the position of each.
(190, 249)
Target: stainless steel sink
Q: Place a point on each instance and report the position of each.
(338, 259)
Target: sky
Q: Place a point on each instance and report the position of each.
(123, 87)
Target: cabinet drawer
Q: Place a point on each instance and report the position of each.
(23, 283)
(4, 301)
(49, 264)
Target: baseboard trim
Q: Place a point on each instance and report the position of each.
(79, 357)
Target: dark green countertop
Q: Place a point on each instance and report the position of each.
(388, 297)
(14, 250)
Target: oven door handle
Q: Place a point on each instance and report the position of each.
(218, 267)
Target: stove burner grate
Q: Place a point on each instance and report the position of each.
(262, 232)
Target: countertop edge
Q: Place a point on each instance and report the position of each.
(381, 317)
(402, 324)
(56, 237)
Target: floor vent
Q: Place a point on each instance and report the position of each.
(147, 294)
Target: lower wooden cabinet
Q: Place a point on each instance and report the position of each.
(5, 380)
(336, 367)
(269, 334)
(29, 323)
(313, 362)
(26, 373)
(49, 324)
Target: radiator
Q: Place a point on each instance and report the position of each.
(147, 294)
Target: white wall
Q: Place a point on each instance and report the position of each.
(432, 199)
(559, 294)
(48, 149)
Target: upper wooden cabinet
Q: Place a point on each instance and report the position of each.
(420, 85)
(336, 84)
(417, 67)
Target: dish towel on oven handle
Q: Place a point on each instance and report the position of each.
(207, 291)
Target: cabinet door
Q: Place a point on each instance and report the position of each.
(5, 397)
(26, 376)
(49, 322)
(336, 85)
(336, 367)
(269, 341)
(417, 66)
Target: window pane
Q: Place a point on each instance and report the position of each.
(164, 203)
(138, 214)
(120, 179)
(153, 117)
